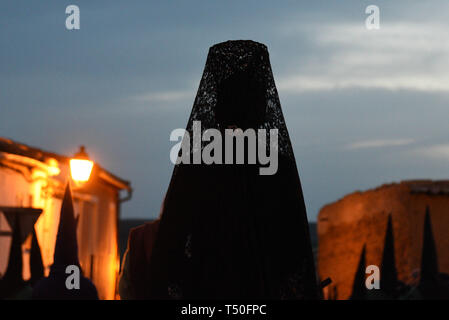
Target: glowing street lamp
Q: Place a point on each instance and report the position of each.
(81, 166)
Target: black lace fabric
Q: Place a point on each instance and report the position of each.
(224, 60)
(226, 231)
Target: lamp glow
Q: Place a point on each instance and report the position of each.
(81, 166)
(81, 169)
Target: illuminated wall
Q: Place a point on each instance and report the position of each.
(96, 206)
(359, 219)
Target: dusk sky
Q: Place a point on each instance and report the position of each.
(363, 107)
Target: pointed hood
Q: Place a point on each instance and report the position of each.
(54, 287)
(389, 276)
(429, 259)
(14, 270)
(66, 248)
(359, 287)
(12, 279)
(36, 264)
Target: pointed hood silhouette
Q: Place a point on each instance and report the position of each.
(389, 276)
(432, 284)
(359, 287)
(36, 264)
(15, 263)
(66, 248)
(12, 280)
(429, 259)
(66, 254)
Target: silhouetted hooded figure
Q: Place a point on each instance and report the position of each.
(226, 231)
(429, 258)
(12, 285)
(389, 283)
(432, 284)
(36, 264)
(359, 290)
(66, 253)
(137, 260)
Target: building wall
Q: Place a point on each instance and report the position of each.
(359, 219)
(104, 234)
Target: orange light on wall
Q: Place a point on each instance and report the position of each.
(81, 166)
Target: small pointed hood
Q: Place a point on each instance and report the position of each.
(12, 279)
(66, 248)
(14, 269)
(36, 264)
(359, 287)
(429, 258)
(389, 276)
(54, 287)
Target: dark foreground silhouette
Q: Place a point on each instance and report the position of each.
(225, 230)
(54, 287)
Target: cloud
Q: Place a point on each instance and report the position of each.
(438, 151)
(165, 96)
(300, 84)
(401, 56)
(381, 143)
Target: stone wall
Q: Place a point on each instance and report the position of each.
(359, 219)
